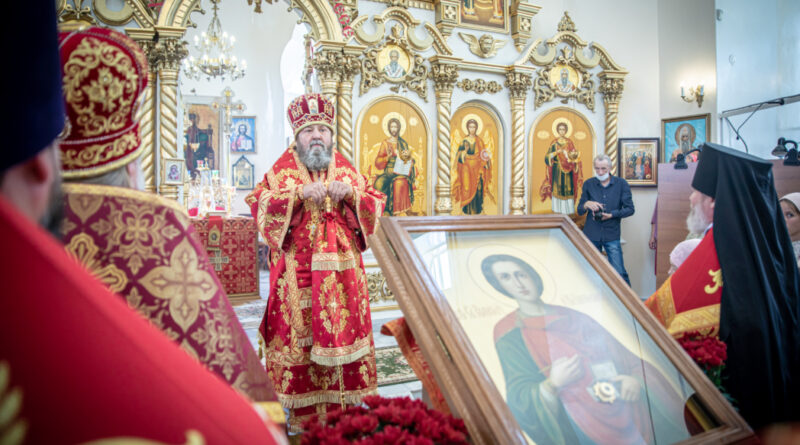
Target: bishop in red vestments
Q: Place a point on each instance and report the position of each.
(315, 212)
(142, 246)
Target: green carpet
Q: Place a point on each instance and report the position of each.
(392, 367)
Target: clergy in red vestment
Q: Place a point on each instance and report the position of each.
(741, 283)
(689, 298)
(76, 364)
(315, 212)
(140, 245)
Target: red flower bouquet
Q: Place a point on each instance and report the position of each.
(710, 353)
(386, 421)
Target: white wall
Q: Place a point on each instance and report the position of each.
(686, 49)
(758, 59)
(260, 39)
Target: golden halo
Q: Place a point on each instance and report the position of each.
(246, 125)
(692, 133)
(466, 119)
(476, 257)
(567, 122)
(385, 123)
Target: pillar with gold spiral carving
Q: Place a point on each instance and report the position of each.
(168, 123)
(445, 74)
(351, 66)
(611, 85)
(147, 114)
(518, 84)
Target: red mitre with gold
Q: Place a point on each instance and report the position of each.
(104, 75)
(689, 299)
(311, 109)
(77, 365)
(144, 248)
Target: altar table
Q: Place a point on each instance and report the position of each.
(232, 246)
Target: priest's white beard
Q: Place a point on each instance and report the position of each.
(696, 222)
(316, 156)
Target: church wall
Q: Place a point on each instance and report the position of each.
(686, 49)
(758, 59)
(260, 40)
(630, 33)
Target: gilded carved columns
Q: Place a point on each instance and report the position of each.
(327, 64)
(444, 72)
(168, 123)
(147, 112)
(349, 68)
(164, 56)
(518, 84)
(147, 120)
(171, 52)
(611, 85)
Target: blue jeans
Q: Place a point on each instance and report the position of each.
(614, 252)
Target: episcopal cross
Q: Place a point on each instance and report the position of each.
(227, 104)
(216, 258)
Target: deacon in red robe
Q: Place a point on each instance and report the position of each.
(315, 212)
(142, 246)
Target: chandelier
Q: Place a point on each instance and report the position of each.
(215, 60)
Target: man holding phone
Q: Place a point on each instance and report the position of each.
(608, 199)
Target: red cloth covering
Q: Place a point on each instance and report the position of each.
(689, 299)
(408, 346)
(83, 366)
(144, 248)
(234, 254)
(317, 330)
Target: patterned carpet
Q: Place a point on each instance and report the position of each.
(392, 367)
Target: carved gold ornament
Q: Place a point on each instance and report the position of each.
(567, 50)
(564, 78)
(480, 86)
(394, 61)
(377, 288)
(484, 46)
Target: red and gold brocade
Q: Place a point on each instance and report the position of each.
(689, 300)
(144, 248)
(78, 366)
(317, 330)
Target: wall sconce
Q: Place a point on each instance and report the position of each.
(789, 155)
(695, 93)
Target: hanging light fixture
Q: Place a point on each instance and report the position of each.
(215, 47)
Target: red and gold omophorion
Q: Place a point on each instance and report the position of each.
(689, 300)
(144, 248)
(317, 331)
